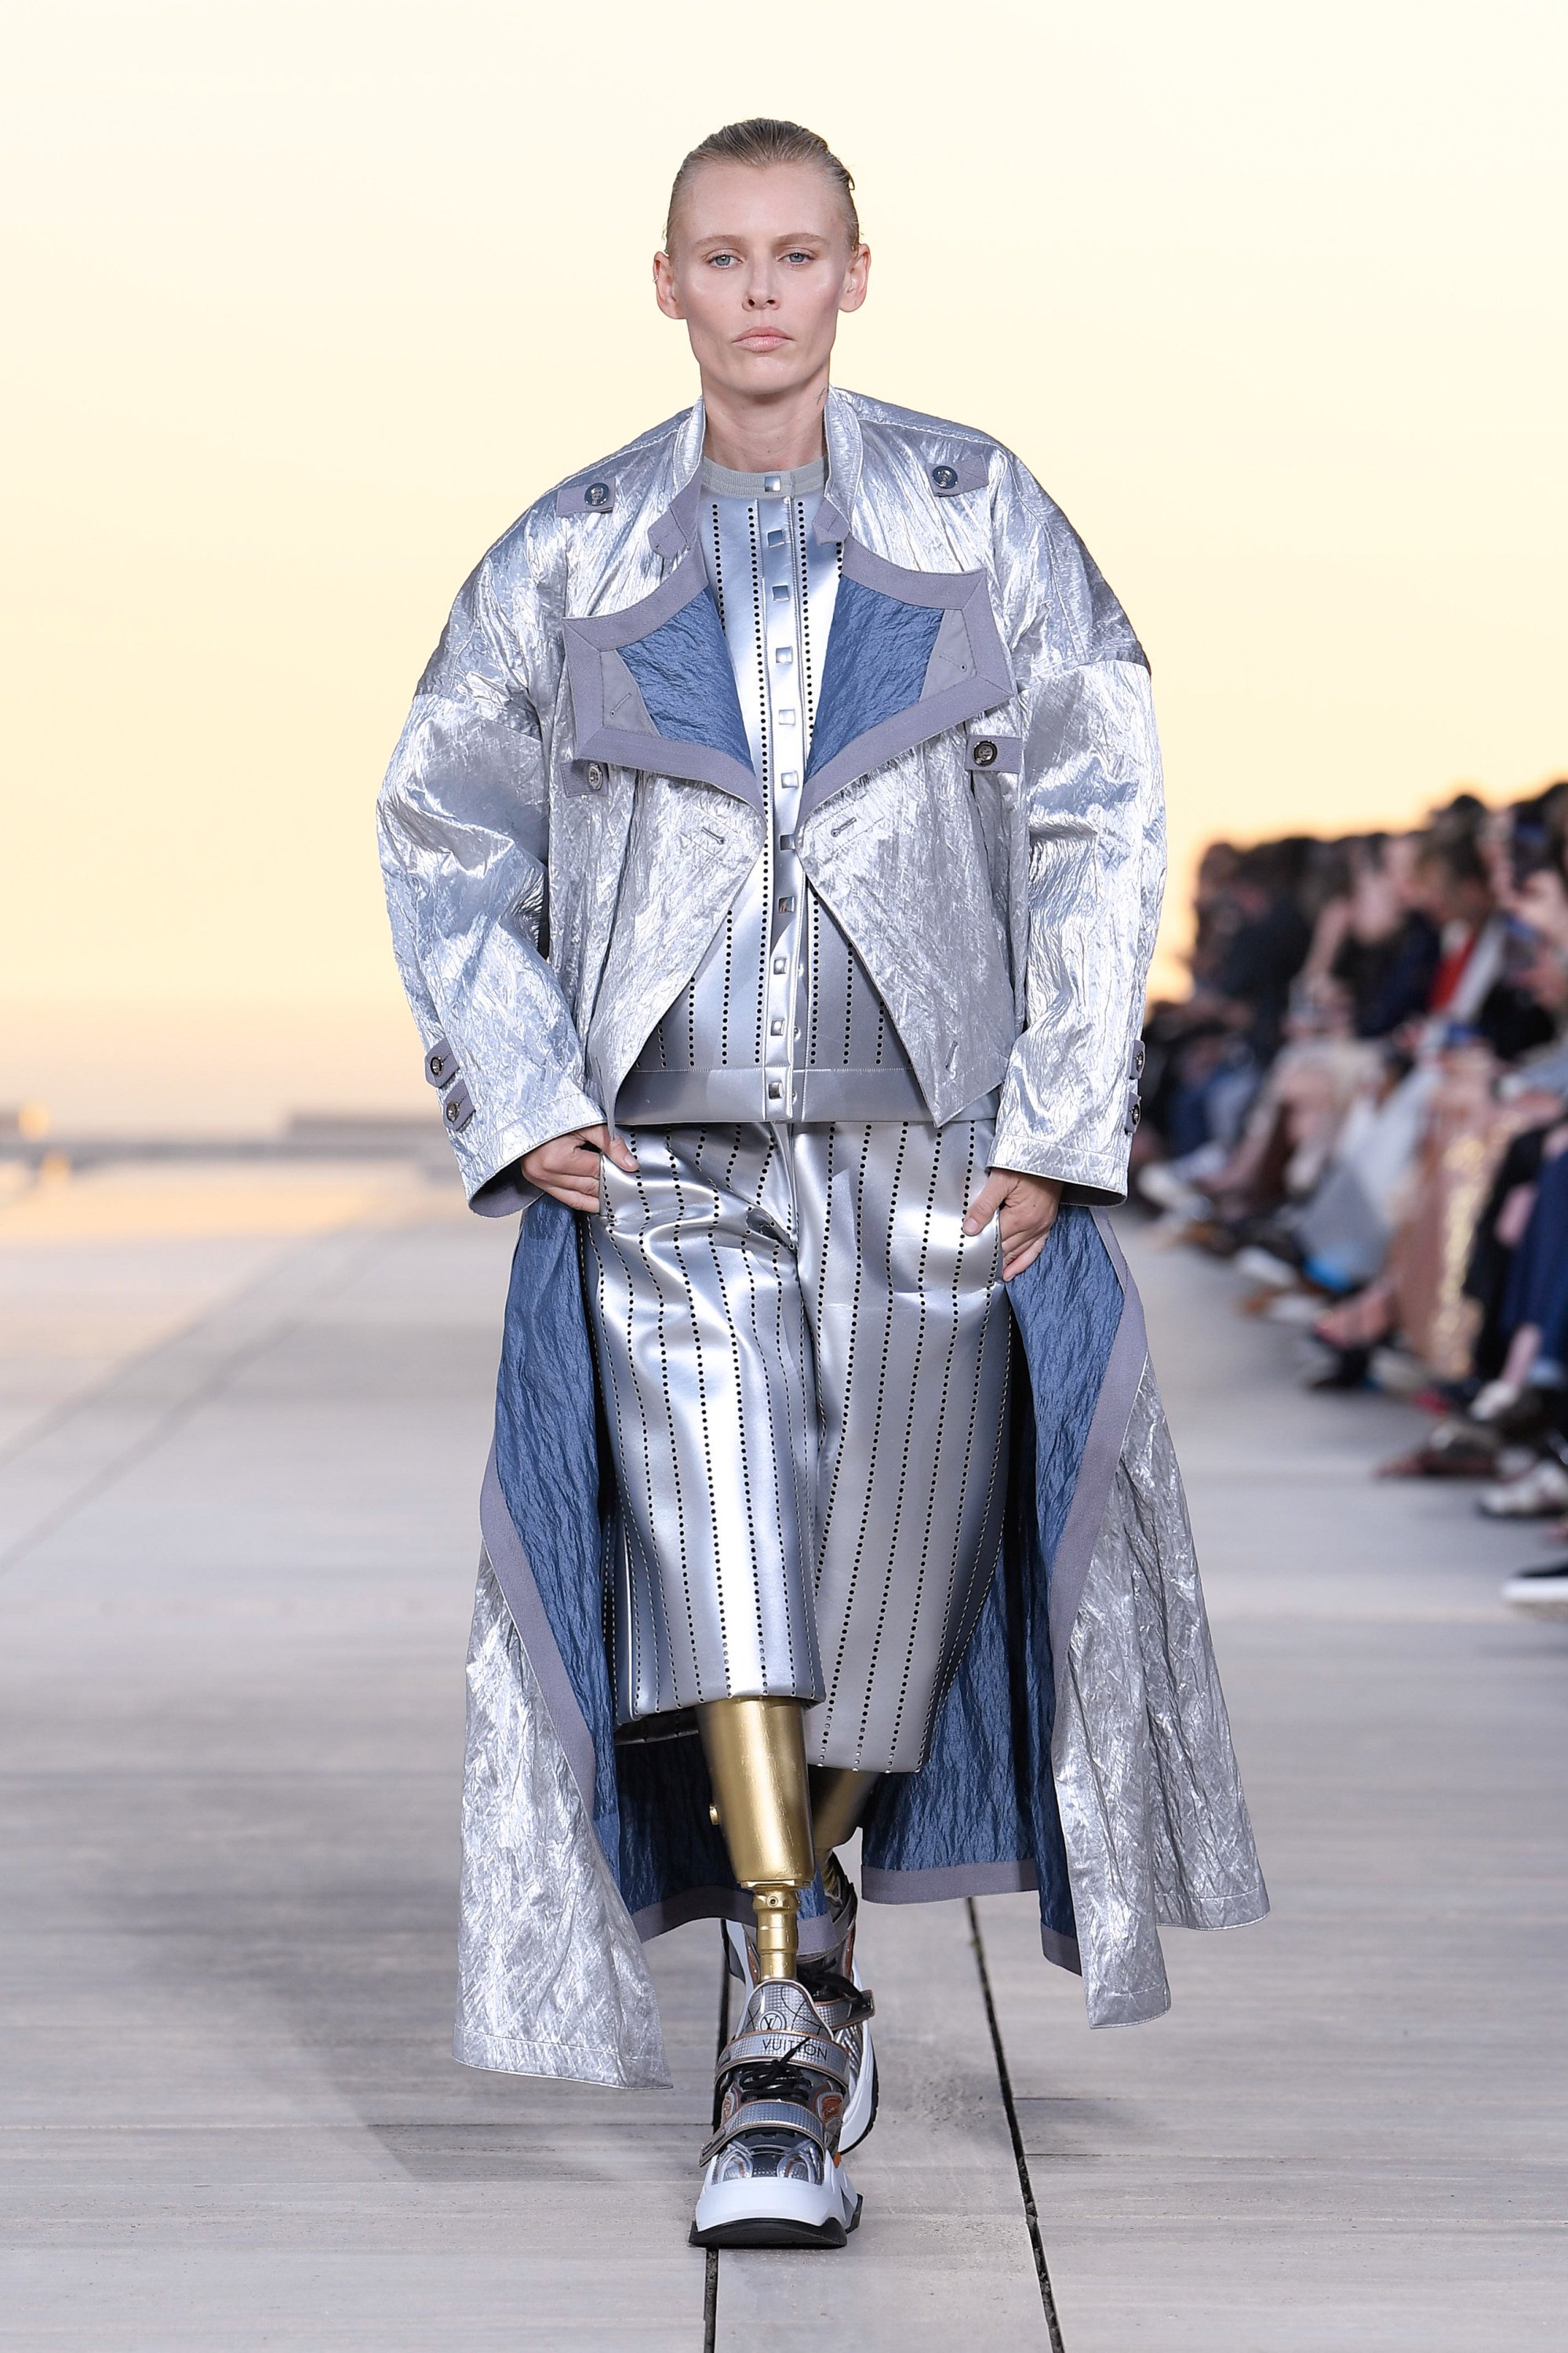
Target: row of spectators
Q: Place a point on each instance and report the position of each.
(1364, 1099)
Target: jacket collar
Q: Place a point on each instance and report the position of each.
(674, 530)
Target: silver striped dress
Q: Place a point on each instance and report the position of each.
(804, 1361)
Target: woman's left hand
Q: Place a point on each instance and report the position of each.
(1025, 1208)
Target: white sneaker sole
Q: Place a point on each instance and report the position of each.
(1542, 1600)
(860, 2109)
(769, 2213)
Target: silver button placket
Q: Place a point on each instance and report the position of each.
(781, 664)
(789, 554)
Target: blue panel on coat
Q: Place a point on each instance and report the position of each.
(878, 651)
(548, 1458)
(683, 671)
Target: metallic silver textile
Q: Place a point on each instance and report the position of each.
(805, 1363)
(546, 911)
(1156, 1828)
(551, 1977)
(780, 991)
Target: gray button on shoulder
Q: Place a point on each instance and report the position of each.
(597, 494)
(985, 752)
(944, 478)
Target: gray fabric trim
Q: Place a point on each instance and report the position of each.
(951, 1878)
(990, 683)
(973, 468)
(819, 1935)
(572, 497)
(440, 1063)
(1062, 1951)
(675, 530)
(740, 1091)
(520, 1594)
(1102, 1453)
(877, 1097)
(791, 482)
(588, 638)
(1009, 755)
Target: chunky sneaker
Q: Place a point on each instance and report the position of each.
(842, 2002)
(774, 2176)
(1544, 1590)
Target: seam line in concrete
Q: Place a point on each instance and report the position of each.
(1031, 2211)
(710, 2269)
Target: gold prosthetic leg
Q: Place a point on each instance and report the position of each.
(839, 1796)
(756, 1761)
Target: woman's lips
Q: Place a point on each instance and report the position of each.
(762, 339)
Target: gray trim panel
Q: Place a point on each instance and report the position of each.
(520, 1594)
(938, 1886)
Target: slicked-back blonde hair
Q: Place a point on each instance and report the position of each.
(761, 141)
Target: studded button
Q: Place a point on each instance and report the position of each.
(773, 483)
(775, 1090)
(597, 494)
(944, 476)
(985, 752)
(596, 777)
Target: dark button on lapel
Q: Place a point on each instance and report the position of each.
(945, 477)
(985, 752)
(597, 494)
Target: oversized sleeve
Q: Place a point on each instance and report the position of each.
(1090, 868)
(464, 826)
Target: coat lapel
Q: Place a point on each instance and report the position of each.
(652, 688)
(910, 654)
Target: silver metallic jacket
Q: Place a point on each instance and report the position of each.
(572, 805)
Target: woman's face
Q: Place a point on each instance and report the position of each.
(759, 267)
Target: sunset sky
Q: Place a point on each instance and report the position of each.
(307, 302)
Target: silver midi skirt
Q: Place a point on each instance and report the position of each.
(804, 1366)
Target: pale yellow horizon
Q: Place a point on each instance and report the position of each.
(309, 301)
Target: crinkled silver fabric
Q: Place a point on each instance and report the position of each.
(545, 913)
(805, 1363)
(1152, 1813)
(551, 1977)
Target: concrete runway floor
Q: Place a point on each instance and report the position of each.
(242, 1424)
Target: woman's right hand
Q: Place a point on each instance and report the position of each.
(567, 1167)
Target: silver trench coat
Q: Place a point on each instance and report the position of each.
(565, 822)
